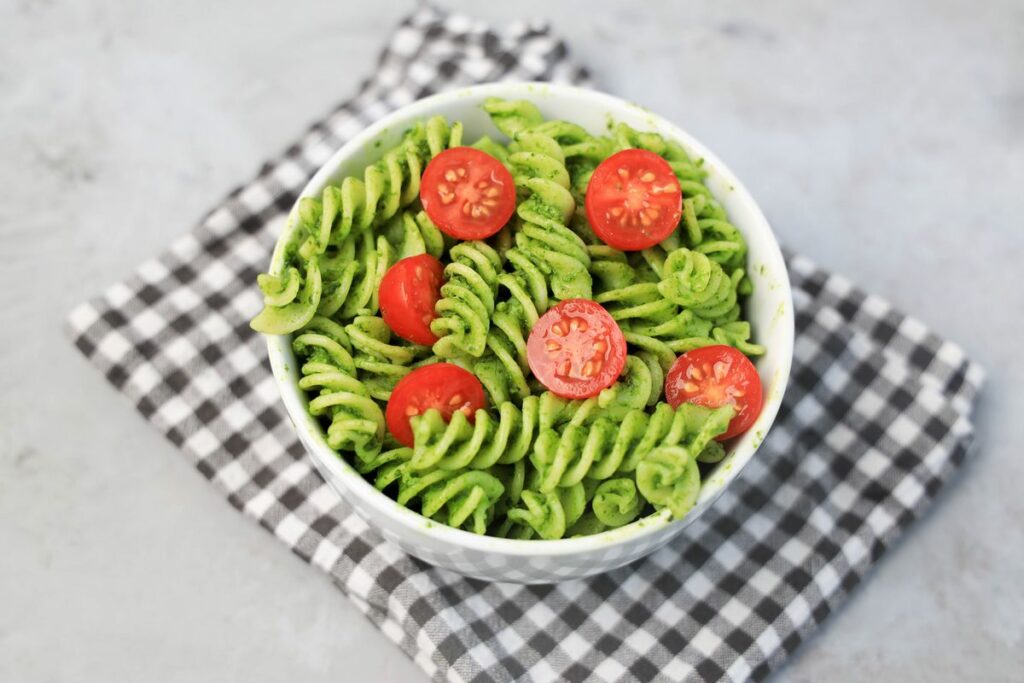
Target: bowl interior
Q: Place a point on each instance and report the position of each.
(769, 309)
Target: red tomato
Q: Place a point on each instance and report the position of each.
(576, 349)
(443, 386)
(633, 200)
(714, 376)
(408, 292)
(468, 194)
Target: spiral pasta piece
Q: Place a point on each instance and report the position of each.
(563, 459)
(538, 168)
(512, 117)
(387, 467)
(642, 302)
(550, 514)
(412, 234)
(467, 497)
(714, 237)
(319, 228)
(583, 152)
(610, 269)
(467, 300)
(355, 421)
(699, 284)
(616, 502)
(379, 363)
(504, 369)
(669, 477)
(638, 387)
(290, 299)
(737, 334)
(487, 441)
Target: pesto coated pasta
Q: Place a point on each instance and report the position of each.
(523, 459)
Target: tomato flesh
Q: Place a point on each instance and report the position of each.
(576, 349)
(468, 194)
(407, 294)
(714, 376)
(633, 200)
(443, 386)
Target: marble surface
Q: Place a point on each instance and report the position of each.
(884, 140)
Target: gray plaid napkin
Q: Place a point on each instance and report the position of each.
(876, 421)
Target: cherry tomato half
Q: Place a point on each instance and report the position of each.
(443, 386)
(633, 200)
(713, 376)
(468, 194)
(576, 349)
(407, 293)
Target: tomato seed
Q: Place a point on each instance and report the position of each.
(690, 388)
(693, 372)
(455, 400)
(647, 177)
(578, 324)
(588, 369)
(410, 411)
(721, 370)
(552, 345)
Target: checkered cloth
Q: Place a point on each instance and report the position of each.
(876, 421)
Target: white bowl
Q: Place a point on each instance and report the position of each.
(770, 311)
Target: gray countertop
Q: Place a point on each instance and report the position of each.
(884, 140)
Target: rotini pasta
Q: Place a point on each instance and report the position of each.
(458, 444)
(467, 300)
(351, 208)
(355, 421)
(530, 465)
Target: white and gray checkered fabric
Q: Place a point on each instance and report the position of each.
(876, 421)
